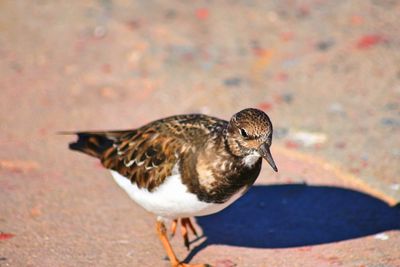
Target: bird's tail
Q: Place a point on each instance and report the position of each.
(94, 143)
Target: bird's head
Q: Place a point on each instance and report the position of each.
(249, 136)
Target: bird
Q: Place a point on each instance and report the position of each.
(184, 166)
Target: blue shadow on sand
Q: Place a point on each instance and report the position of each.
(284, 216)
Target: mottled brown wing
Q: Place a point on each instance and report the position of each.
(145, 157)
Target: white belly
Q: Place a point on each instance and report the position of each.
(171, 199)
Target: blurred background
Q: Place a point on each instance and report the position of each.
(326, 72)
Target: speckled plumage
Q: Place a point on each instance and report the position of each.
(210, 152)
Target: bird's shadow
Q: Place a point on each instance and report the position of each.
(283, 216)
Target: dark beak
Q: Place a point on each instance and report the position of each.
(266, 154)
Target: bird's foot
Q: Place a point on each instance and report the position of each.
(162, 234)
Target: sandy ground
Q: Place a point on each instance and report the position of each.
(327, 73)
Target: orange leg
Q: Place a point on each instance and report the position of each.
(184, 232)
(162, 234)
(189, 223)
(186, 223)
(173, 227)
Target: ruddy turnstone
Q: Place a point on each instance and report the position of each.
(184, 165)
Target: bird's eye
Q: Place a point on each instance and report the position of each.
(243, 133)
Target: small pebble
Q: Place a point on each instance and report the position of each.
(287, 97)
(390, 122)
(170, 14)
(396, 152)
(131, 254)
(308, 139)
(325, 45)
(99, 31)
(395, 187)
(336, 108)
(381, 236)
(391, 106)
(233, 82)
(280, 133)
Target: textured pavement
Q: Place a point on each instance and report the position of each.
(327, 73)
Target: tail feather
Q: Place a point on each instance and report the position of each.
(91, 144)
(94, 143)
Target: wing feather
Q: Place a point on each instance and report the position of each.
(147, 155)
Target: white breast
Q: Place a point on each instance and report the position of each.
(251, 159)
(171, 199)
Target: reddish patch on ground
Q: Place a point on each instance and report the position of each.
(286, 36)
(20, 166)
(318, 146)
(304, 10)
(106, 68)
(265, 106)
(35, 212)
(5, 236)
(355, 170)
(262, 52)
(369, 40)
(340, 145)
(291, 144)
(282, 76)
(305, 248)
(42, 131)
(364, 163)
(202, 13)
(133, 24)
(357, 20)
